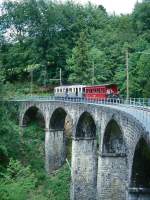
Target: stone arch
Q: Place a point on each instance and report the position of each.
(57, 120)
(84, 158)
(86, 127)
(58, 144)
(113, 140)
(32, 111)
(140, 176)
(112, 163)
(33, 135)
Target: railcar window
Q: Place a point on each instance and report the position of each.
(70, 89)
(79, 89)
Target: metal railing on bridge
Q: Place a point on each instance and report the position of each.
(142, 103)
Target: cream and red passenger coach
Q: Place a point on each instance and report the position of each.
(69, 91)
(94, 92)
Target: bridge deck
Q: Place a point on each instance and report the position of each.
(138, 108)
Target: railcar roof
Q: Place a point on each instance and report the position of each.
(111, 84)
(70, 86)
(87, 86)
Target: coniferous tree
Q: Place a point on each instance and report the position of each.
(79, 63)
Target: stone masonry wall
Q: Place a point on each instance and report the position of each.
(114, 173)
(55, 149)
(84, 170)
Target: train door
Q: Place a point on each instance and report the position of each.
(66, 93)
(77, 92)
(83, 92)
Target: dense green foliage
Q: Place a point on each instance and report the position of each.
(22, 173)
(43, 36)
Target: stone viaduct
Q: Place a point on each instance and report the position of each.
(109, 148)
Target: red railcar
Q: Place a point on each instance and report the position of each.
(98, 92)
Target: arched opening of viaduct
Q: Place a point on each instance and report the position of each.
(140, 177)
(58, 139)
(112, 164)
(84, 159)
(113, 142)
(33, 136)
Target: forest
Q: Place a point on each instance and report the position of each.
(37, 38)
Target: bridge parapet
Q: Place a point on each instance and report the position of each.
(137, 107)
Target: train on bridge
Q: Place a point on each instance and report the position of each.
(92, 92)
